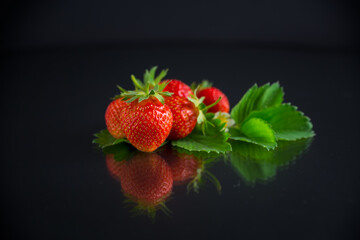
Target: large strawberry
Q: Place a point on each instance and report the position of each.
(147, 124)
(114, 115)
(148, 121)
(185, 115)
(212, 94)
(178, 88)
(146, 180)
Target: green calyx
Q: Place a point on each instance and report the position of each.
(150, 86)
(204, 84)
(202, 119)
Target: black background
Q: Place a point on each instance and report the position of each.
(78, 23)
(62, 61)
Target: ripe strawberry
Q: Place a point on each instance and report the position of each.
(146, 179)
(147, 124)
(212, 94)
(114, 115)
(178, 87)
(185, 115)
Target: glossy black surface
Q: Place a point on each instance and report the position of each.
(55, 183)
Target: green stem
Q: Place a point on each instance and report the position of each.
(211, 105)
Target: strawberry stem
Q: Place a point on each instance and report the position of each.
(211, 105)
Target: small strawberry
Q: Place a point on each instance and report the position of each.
(148, 121)
(147, 181)
(177, 87)
(212, 94)
(114, 116)
(185, 115)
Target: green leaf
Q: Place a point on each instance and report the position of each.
(215, 139)
(257, 98)
(273, 95)
(257, 131)
(288, 123)
(199, 154)
(120, 140)
(104, 139)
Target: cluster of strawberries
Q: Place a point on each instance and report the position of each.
(159, 109)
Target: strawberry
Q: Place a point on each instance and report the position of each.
(185, 115)
(148, 121)
(211, 94)
(114, 114)
(147, 124)
(146, 179)
(177, 87)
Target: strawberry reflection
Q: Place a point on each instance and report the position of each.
(183, 166)
(256, 164)
(190, 168)
(147, 179)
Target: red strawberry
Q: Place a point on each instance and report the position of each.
(146, 179)
(185, 115)
(147, 121)
(147, 124)
(178, 87)
(114, 115)
(212, 94)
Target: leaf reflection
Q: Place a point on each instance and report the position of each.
(256, 164)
